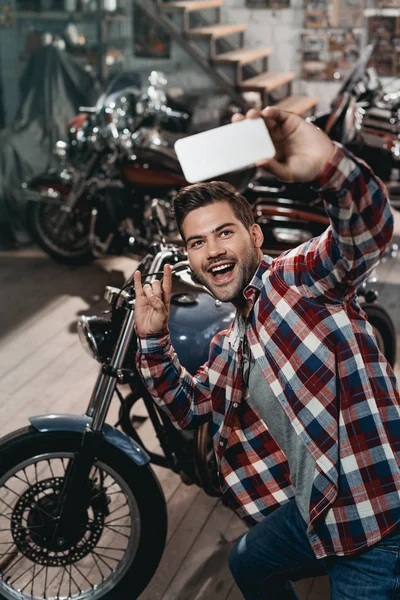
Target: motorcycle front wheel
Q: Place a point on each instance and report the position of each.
(111, 550)
(71, 244)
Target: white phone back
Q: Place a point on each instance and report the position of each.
(224, 149)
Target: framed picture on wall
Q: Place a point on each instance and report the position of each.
(150, 41)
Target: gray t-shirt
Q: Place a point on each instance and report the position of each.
(258, 394)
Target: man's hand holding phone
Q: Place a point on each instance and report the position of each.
(302, 150)
(152, 304)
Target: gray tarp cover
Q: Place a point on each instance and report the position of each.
(52, 88)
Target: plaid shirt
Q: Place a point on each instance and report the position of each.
(319, 355)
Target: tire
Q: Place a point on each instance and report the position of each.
(384, 330)
(71, 246)
(31, 467)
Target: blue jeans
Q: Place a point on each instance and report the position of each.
(277, 551)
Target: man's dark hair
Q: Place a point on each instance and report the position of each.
(202, 194)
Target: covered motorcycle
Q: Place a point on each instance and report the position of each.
(52, 88)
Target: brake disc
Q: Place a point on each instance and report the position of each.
(35, 520)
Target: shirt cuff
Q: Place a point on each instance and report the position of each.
(156, 342)
(338, 173)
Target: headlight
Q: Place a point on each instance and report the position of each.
(94, 334)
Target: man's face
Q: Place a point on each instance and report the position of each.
(222, 253)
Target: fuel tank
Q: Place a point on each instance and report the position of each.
(154, 162)
(195, 318)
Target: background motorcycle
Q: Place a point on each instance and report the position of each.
(82, 514)
(119, 156)
(364, 118)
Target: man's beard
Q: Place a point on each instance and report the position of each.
(245, 272)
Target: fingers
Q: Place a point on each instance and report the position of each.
(276, 114)
(251, 114)
(269, 112)
(153, 295)
(280, 123)
(156, 286)
(238, 117)
(167, 285)
(137, 278)
(157, 293)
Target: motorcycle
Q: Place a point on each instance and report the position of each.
(365, 118)
(119, 156)
(83, 515)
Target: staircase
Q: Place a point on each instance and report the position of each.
(239, 59)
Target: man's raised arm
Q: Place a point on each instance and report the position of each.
(185, 398)
(334, 264)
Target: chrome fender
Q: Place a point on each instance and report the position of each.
(78, 423)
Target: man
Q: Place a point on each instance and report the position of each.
(305, 408)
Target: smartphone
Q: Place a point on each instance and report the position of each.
(224, 149)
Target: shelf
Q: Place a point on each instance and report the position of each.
(382, 12)
(324, 30)
(57, 15)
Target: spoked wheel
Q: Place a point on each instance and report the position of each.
(70, 244)
(109, 550)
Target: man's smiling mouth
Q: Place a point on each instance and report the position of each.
(222, 272)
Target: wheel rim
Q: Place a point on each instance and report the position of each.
(102, 545)
(72, 240)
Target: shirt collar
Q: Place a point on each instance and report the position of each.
(251, 293)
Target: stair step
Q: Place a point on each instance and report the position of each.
(298, 104)
(242, 55)
(266, 81)
(190, 5)
(216, 31)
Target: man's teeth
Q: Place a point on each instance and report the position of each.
(220, 268)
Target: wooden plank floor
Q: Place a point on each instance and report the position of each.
(44, 369)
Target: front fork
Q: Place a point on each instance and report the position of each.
(74, 195)
(76, 493)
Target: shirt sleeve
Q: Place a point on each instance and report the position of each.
(184, 397)
(334, 264)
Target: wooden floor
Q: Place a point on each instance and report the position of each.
(44, 369)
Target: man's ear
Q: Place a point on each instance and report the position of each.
(257, 235)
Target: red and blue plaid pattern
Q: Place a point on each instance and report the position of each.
(318, 353)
